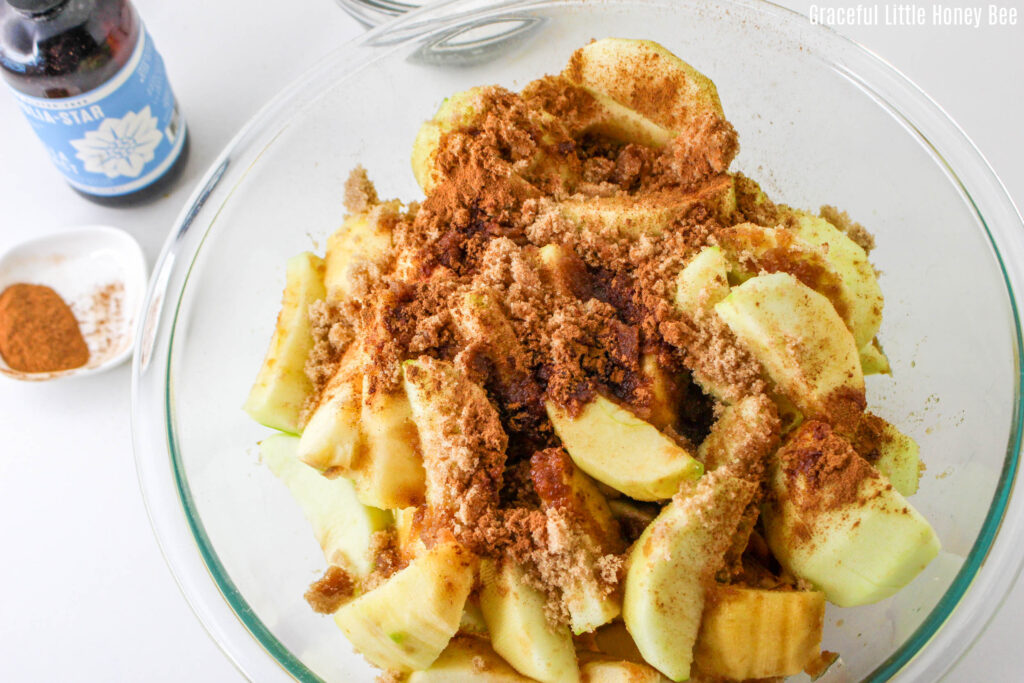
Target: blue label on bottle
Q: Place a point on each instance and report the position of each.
(118, 138)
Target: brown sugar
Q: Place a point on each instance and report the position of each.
(328, 593)
(360, 194)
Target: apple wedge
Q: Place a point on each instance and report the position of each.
(332, 441)
(892, 452)
(281, 388)
(798, 337)
(622, 451)
(609, 68)
(519, 628)
(665, 392)
(440, 395)
(457, 111)
(561, 486)
(564, 271)
(671, 564)
(361, 243)
(743, 436)
(468, 659)
(703, 282)
(873, 360)
(833, 520)
(747, 633)
(391, 475)
(651, 213)
(342, 525)
(863, 296)
(611, 671)
(405, 623)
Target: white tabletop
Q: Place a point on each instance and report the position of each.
(86, 594)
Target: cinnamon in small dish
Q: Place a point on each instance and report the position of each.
(38, 331)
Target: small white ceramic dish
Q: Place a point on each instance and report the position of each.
(101, 273)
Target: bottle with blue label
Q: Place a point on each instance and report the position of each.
(94, 89)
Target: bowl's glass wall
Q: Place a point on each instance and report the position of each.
(809, 134)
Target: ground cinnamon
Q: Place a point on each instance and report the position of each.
(38, 331)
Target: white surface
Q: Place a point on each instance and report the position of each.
(87, 596)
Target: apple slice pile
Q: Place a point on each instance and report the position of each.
(726, 547)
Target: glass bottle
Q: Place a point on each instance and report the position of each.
(88, 79)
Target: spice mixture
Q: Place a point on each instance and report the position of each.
(38, 331)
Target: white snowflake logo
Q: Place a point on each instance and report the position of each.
(120, 147)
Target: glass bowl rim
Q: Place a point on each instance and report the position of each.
(177, 259)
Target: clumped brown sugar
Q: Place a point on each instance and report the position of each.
(331, 591)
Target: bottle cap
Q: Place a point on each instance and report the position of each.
(34, 6)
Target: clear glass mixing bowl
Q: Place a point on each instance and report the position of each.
(821, 121)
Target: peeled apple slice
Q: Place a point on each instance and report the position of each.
(622, 451)
(850, 261)
(798, 337)
(609, 671)
(671, 564)
(343, 526)
(391, 475)
(749, 633)
(281, 387)
(703, 282)
(363, 240)
(847, 531)
(608, 67)
(332, 441)
(468, 659)
(895, 454)
(406, 622)
(519, 628)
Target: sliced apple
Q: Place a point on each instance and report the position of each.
(439, 396)
(847, 530)
(671, 564)
(564, 271)
(561, 485)
(849, 260)
(798, 337)
(363, 241)
(895, 454)
(610, 66)
(281, 388)
(342, 525)
(405, 623)
(520, 632)
(622, 451)
(610, 671)
(747, 633)
(665, 392)
(410, 545)
(460, 110)
(743, 437)
(392, 474)
(873, 360)
(332, 441)
(703, 282)
(468, 659)
(650, 214)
